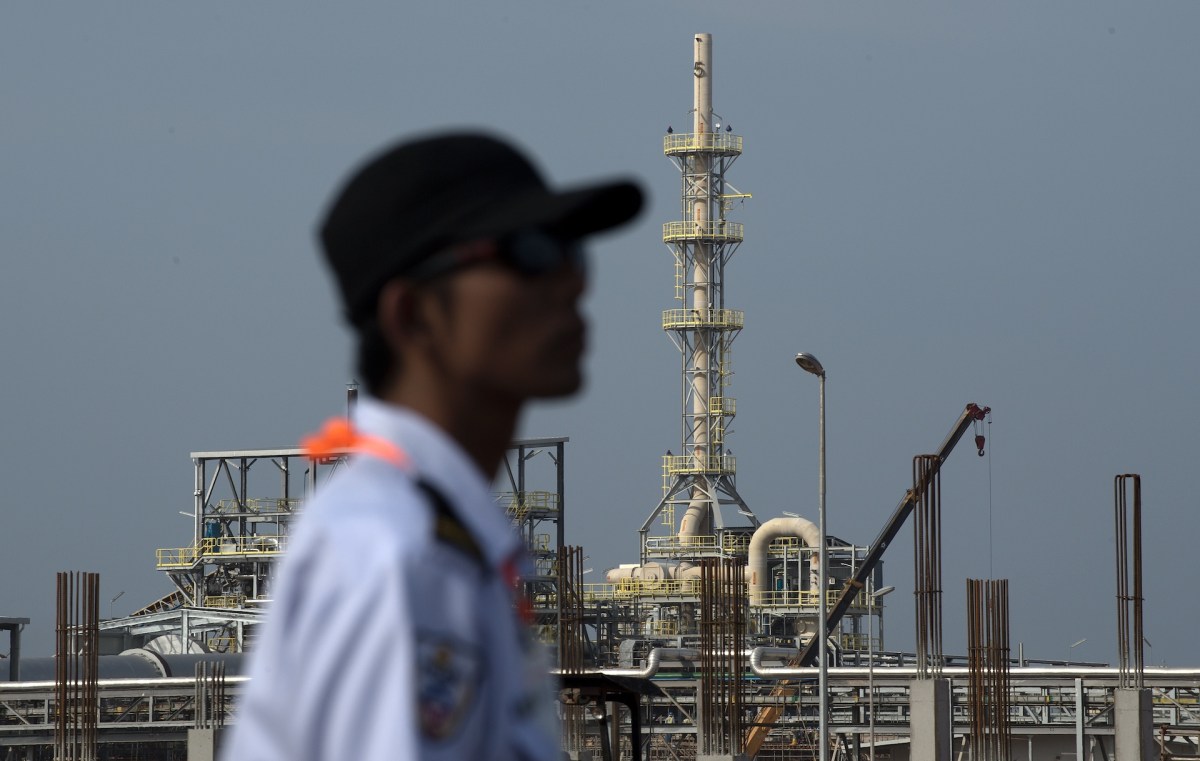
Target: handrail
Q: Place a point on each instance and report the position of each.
(722, 405)
(721, 230)
(687, 464)
(674, 319)
(227, 507)
(702, 142)
(693, 542)
(186, 557)
(224, 601)
(520, 503)
(796, 598)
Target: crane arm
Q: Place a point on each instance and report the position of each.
(972, 413)
(770, 713)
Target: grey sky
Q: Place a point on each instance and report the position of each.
(952, 203)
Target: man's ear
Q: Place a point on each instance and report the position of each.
(396, 313)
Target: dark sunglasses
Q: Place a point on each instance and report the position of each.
(529, 253)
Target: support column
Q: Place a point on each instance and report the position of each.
(13, 626)
(930, 725)
(1080, 717)
(203, 744)
(1133, 720)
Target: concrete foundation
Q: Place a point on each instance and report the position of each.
(929, 720)
(1133, 719)
(202, 744)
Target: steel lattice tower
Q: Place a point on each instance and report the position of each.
(702, 478)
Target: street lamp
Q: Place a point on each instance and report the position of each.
(871, 598)
(810, 364)
(1071, 650)
(112, 601)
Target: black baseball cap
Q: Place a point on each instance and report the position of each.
(419, 197)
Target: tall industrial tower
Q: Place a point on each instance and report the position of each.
(701, 478)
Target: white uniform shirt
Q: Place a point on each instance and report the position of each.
(385, 641)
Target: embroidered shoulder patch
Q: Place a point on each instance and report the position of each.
(448, 674)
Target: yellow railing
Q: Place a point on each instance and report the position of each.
(722, 405)
(737, 544)
(519, 504)
(224, 601)
(680, 545)
(186, 557)
(706, 142)
(860, 641)
(787, 546)
(722, 231)
(725, 368)
(674, 319)
(178, 557)
(674, 464)
(244, 545)
(257, 505)
(740, 544)
(664, 628)
(222, 644)
(627, 589)
(793, 598)
(593, 592)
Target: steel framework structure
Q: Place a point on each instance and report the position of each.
(701, 479)
(242, 520)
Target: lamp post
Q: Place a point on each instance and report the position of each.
(1071, 650)
(112, 601)
(871, 598)
(810, 364)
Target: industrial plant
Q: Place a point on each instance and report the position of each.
(731, 635)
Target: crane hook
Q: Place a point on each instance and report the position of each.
(979, 443)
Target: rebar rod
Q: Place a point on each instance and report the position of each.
(723, 660)
(989, 684)
(1130, 634)
(927, 560)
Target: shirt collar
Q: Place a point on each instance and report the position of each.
(440, 460)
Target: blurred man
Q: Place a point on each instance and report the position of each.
(396, 630)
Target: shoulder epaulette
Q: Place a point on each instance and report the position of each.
(448, 527)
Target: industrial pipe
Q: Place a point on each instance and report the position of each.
(759, 543)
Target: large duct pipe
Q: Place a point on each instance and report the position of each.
(654, 661)
(768, 532)
(646, 571)
(1095, 675)
(652, 572)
